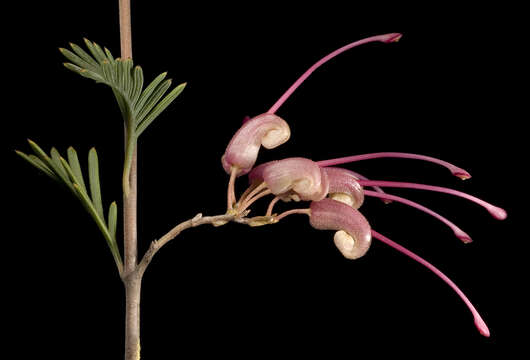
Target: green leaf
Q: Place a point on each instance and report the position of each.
(38, 163)
(76, 59)
(161, 106)
(129, 81)
(41, 154)
(73, 160)
(73, 67)
(117, 70)
(122, 104)
(138, 80)
(97, 54)
(109, 55)
(82, 54)
(113, 220)
(93, 177)
(109, 73)
(101, 225)
(84, 72)
(124, 76)
(153, 99)
(71, 175)
(101, 53)
(148, 91)
(58, 167)
(139, 107)
(42, 165)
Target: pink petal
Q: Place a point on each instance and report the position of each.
(344, 181)
(268, 130)
(328, 214)
(294, 177)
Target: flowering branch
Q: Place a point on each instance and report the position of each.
(333, 195)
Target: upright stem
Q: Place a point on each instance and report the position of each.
(131, 278)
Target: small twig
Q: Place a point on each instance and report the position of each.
(195, 221)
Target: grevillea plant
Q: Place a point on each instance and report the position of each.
(332, 196)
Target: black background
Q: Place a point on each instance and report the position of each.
(445, 90)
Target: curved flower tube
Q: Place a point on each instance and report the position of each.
(344, 187)
(354, 236)
(294, 179)
(241, 153)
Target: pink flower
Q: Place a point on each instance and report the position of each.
(336, 194)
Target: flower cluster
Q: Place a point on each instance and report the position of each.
(335, 194)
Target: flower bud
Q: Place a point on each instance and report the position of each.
(355, 236)
(241, 153)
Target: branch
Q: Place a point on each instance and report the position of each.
(195, 221)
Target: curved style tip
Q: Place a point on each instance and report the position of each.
(466, 239)
(462, 174)
(392, 37)
(498, 213)
(481, 326)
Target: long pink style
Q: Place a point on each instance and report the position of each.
(496, 212)
(479, 322)
(455, 170)
(459, 233)
(387, 38)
